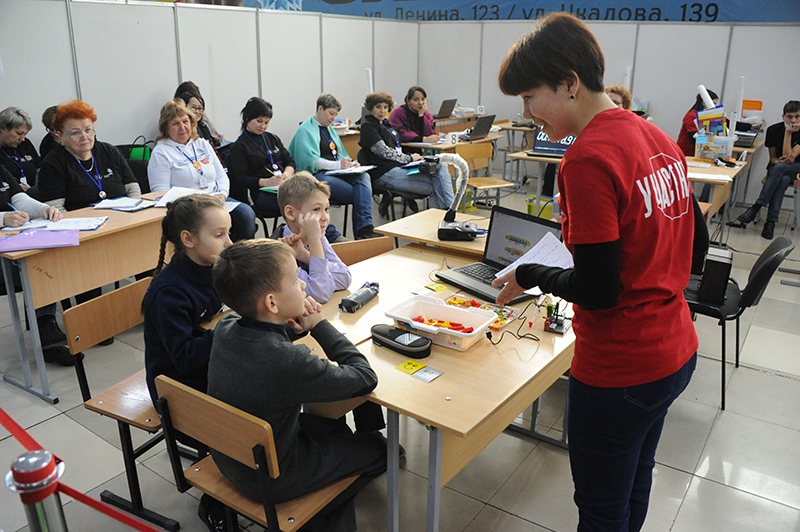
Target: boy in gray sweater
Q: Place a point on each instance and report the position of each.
(255, 367)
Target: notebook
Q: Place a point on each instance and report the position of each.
(39, 239)
(446, 109)
(511, 234)
(543, 146)
(480, 129)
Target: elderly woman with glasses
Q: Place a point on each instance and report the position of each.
(82, 171)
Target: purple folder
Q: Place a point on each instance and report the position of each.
(39, 239)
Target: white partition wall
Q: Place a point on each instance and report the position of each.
(671, 61)
(218, 51)
(396, 52)
(37, 58)
(127, 65)
(291, 68)
(497, 38)
(450, 62)
(618, 41)
(346, 52)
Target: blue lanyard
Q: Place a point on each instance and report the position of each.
(96, 178)
(330, 142)
(394, 134)
(195, 162)
(18, 161)
(265, 149)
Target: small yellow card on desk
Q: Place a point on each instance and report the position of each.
(411, 366)
(436, 287)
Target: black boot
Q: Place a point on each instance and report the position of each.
(750, 214)
(383, 207)
(49, 332)
(769, 230)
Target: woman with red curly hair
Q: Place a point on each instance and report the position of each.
(82, 171)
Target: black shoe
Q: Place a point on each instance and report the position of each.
(401, 451)
(769, 230)
(60, 356)
(383, 207)
(749, 215)
(107, 341)
(412, 205)
(49, 332)
(367, 231)
(212, 513)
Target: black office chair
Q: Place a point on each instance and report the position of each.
(379, 190)
(139, 169)
(737, 300)
(263, 215)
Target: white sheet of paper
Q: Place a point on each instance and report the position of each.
(708, 178)
(353, 170)
(549, 251)
(81, 224)
(30, 224)
(179, 192)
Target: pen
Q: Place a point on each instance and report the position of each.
(12, 207)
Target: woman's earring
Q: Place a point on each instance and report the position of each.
(571, 96)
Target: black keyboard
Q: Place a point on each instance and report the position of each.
(479, 271)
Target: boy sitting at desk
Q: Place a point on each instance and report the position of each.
(305, 204)
(255, 367)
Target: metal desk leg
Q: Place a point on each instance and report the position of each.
(434, 478)
(393, 469)
(533, 432)
(27, 383)
(790, 282)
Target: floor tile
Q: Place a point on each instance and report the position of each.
(685, 433)
(713, 507)
(754, 456)
(25, 409)
(705, 384)
(666, 495)
(770, 349)
(777, 315)
(766, 396)
(491, 518)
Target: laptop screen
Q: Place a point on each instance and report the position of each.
(512, 234)
(544, 144)
(446, 109)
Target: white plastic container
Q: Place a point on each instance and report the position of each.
(433, 308)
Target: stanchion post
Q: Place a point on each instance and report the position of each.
(35, 475)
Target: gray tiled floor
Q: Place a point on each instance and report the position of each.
(737, 470)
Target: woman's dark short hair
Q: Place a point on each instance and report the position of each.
(188, 95)
(374, 98)
(558, 48)
(186, 86)
(255, 108)
(699, 104)
(328, 101)
(412, 90)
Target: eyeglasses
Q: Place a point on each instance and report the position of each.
(196, 109)
(77, 135)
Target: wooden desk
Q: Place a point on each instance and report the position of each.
(350, 140)
(511, 135)
(522, 156)
(454, 123)
(721, 191)
(470, 150)
(125, 245)
(423, 227)
(481, 391)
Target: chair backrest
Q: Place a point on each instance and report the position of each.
(139, 169)
(105, 316)
(763, 269)
(222, 427)
(357, 250)
(476, 155)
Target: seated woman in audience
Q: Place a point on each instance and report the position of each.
(81, 171)
(318, 149)
(50, 140)
(686, 140)
(380, 145)
(182, 159)
(620, 95)
(258, 158)
(205, 128)
(412, 121)
(18, 156)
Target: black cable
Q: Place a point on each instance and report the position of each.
(519, 335)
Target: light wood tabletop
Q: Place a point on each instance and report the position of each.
(423, 227)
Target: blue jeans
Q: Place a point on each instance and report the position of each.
(243, 222)
(439, 184)
(355, 189)
(775, 187)
(613, 435)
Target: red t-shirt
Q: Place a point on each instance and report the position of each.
(688, 129)
(624, 179)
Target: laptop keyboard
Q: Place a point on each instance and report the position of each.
(479, 271)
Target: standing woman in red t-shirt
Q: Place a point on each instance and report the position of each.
(628, 218)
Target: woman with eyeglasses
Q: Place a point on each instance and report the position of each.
(17, 153)
(620, 95)
(82, 171)
(191, 96)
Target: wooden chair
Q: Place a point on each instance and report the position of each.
(243, 437)
(127, 402)
(358, 250)
(478, 157)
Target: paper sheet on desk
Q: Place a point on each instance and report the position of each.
(549, 251)
(709, 178)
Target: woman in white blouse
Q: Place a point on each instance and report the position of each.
(182, 159)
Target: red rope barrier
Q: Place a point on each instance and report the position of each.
(30, 444)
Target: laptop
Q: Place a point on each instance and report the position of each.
(446, 109)
(481, 128)
(511, 234)
(543, 146)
